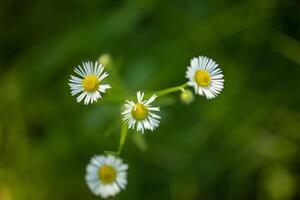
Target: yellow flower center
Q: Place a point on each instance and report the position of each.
(139, 112)
(202, 78)
(90, 83)
(107, 174)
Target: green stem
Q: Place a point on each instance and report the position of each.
(170, 90)
(123, 136)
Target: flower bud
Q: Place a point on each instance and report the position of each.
(105, 59)
(186, 97)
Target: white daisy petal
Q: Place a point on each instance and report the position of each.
(89, 83)
(80, 72)
(154, 115)
(205, 76)
(122, 167)
(103, 88)
(103, 76)
(153, 108)
(149, 101)
(81, 96)
(140, 96)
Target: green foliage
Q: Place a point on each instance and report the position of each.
(242, 145)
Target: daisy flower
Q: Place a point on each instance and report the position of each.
(205, 76)
(106, 175)
(141, 114)
(88, 84)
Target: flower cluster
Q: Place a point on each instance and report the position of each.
(107, 175)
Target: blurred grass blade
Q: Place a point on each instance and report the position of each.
(140, 141)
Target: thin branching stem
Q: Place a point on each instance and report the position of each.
(170, 90)
(123, 137)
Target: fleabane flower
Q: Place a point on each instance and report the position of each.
(89, 83)
(140, 114)
(106, 175)
(205, 76)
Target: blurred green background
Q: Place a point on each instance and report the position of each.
(242, 145)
